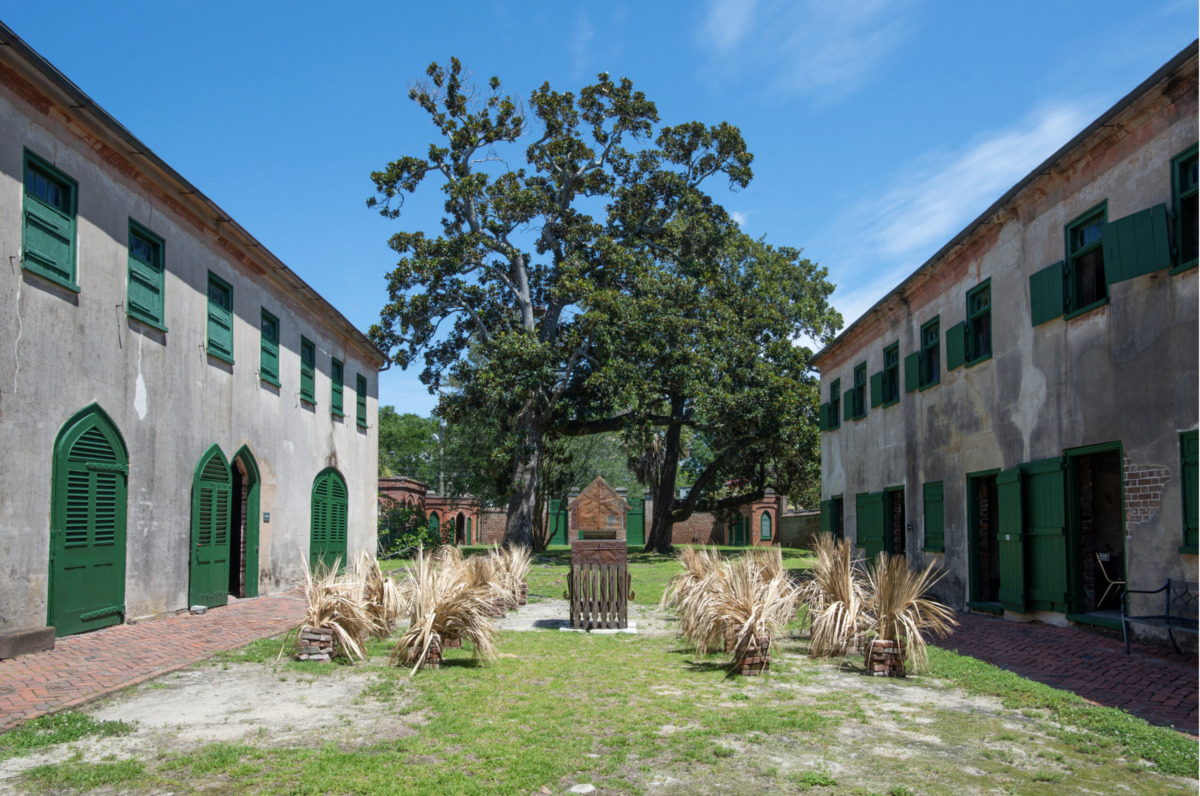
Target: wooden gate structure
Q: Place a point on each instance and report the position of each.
(598, 586)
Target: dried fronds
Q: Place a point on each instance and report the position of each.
(335, 600)
(446, 600)
(513, 564)
(836, 599)
(384, 602)
(896, 598)
(747, 607)
(697, 564)
(768, 561)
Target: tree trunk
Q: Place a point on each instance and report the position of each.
(664, 497)
(518, 528)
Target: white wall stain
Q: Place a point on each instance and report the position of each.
(139, 388)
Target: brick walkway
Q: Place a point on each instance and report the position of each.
(1151, 682)
(83, 667)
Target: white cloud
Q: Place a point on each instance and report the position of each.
(581, 42)
(741, 218)
(876, 243)
(728, 22)
(812, 47)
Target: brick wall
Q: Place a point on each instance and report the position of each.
(799, 530)
(1143, 492)
(491, 525)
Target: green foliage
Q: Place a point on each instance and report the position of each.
(404, 529)
(406, 446)
(57, 728)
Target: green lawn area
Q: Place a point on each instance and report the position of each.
(642, 714)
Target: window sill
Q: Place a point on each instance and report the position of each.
(986, 608)
(856, 418)
(269, 380)
(1188, 549)
(336, 413)
(363, 426)
(147, 322)
(979, 360)
(215, 354)
(64, 283)
(1179, 269)
(892, 402)
(309, 401)
(1085, 310)
(925, 387)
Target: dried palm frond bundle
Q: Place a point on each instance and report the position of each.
(836, 600)
(334, 607)
(750, 611)
(697, 564)
(444, 603)
(447, 555)
(513, 563)
(768, 561)
(896, 598)
(384, 602)
(484, 573)
(689, 593)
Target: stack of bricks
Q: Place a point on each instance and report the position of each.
(496, 608)
(433, 659)
(885, 658)
(315, 644)
(523, 594)
(451, 642)
(757, 659)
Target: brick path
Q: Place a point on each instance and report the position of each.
(1151, 682)
(83, 667)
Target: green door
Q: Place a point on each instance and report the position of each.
(870, 523)
(87, 529)
(468, 538)
(330, 505)
(251, 488)
(212, 498)
(635, 524)
(1010, 538)
(558, 523)
(1044, 491)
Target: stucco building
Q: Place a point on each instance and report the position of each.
(1022, 409)
(183, 418)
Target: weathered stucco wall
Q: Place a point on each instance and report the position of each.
(61, 351)
(1125, 372)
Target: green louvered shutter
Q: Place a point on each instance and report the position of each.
(935, 517)
(956, 345)
(1044, 491)
(268, 359)
(360, 397)
(308, 370)
(330, 509)
(220, 318)
(827, 516)
(48, 229)
(823, 417)
(1046, 294)
(1191, 517)
(876, 389)
(869, 522)
(212, 498)
(1137, 244)
(335, 395)
(912, 371)
(145, 288)
(848, 405)
(1011, 540)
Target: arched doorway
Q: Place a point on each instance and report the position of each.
(87, 525)
(764, 524)
(460, 529)
(243, 571)
(212, 506)
(330, 506)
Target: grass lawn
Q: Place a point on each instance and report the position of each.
(639, 714)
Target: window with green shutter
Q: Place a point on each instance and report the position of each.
(360, 385)
(1185, 177)
(1189, 474)
(956, 346)
(858, 396)
(220, 318)
(335, 394)
(935, 517)
(931, 353)
(979, 323)
(268, 357)
(308, 371)
(835, 403)
(147, 271)
(1086, 284)
(1046, 294)
(912, 371)
(1136, 244)
(48, 222)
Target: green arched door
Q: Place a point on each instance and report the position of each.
(330, 505)
(764, 525)
(87, 525)
(212, 498)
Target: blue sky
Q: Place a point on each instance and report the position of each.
(880, 128)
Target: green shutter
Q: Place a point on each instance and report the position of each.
(330, 508)
(876, 389)
(848, 405)
(145, 287)
(912, 371)
(1010, 540)
(1137, 244)
(1188, 450)
(1046, 294)
(935, 517)
(823, 417)
(956, 345)
(335, 395)
(212, 498)
(870, 522)
(268, 359)
(220, 318)
(827, 516)
(1045, 529)
(48, 228)
(308, 371)
(360, 398)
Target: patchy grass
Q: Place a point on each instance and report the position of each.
(76, 775)
(57, 728)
